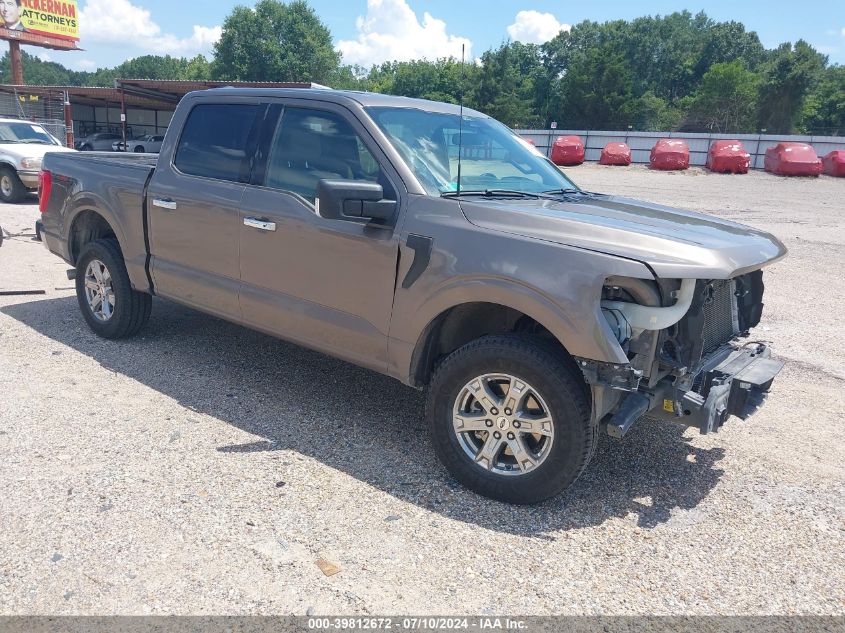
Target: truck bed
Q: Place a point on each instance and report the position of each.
(110, 184)
(128, 158)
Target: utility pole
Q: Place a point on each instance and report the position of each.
(69, 141)
(17, 63)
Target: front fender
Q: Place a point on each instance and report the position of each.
(565, 302)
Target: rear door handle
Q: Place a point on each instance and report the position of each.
(264, 225)
(164, 203)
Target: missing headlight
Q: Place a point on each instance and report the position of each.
(618, 324)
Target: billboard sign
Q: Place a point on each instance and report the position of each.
(55, 19)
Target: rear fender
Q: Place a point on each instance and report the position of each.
(133, 250)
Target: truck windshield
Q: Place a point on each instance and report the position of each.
(23, 132)
(492, 156)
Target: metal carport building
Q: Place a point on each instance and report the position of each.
(147, 104)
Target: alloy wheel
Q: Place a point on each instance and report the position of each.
(99, 291)
(503, 424)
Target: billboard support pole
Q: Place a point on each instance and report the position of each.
(17, 62)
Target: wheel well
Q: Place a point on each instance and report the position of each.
(87, 227)
(461, 324)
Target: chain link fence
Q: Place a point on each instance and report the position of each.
(46, 109)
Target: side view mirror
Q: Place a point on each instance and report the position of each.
(354, 200)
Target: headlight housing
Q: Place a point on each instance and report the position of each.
(31, 163)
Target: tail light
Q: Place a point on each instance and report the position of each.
(45, 184)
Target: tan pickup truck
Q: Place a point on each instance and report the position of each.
(433, 246)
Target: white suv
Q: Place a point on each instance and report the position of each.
(22, 147)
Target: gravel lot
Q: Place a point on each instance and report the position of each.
(203, 469)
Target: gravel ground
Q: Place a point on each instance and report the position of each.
(204, 469)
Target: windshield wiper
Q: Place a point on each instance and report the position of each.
(498, 193)
(564, 191)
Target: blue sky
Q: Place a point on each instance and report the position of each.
(370, 31)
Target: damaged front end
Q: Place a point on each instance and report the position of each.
(687, 362)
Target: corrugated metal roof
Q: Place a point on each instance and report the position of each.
(143, 93)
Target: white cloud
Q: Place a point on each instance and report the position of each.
(44, 56)
(843, 31)
(391, 31)
(533, 27)
(121, 22)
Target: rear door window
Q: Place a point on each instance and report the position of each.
(215, 141)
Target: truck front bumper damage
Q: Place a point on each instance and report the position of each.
(731, 381)
(735, 386)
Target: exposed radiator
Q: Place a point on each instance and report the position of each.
(721, 317)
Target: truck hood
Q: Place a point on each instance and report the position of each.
(674, 243)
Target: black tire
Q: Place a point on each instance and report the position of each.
(16, 189)
(560, 385)
(131, 308)
(86, 148)
(139, 149)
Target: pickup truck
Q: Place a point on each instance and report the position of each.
(432, 244)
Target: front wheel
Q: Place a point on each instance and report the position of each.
(510, 418)
(11, 187)
(109, 304)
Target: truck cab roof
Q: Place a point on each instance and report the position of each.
(344, 97)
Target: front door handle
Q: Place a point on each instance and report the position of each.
(164, 203)
(264, 225)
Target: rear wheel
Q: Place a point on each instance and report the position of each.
(139, 149)
(109, 304)
(510, 418)
(11, 187)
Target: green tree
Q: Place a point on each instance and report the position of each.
(349, 78)
(667, 56)
(275, 42)
(440, 80)
(727, 42)
(197, 68)
(597, 92)
(787, 77)
(726, 99)
(38, 72)
(505, 83)
(152, 67)
(824, 108)
(653, 114)
(677, 71)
